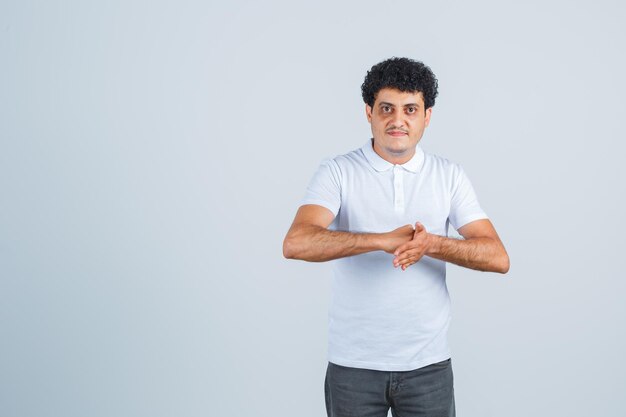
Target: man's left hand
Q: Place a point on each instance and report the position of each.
(412, 251)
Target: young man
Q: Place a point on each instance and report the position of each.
(390, 308)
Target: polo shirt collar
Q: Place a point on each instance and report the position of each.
(379, 164)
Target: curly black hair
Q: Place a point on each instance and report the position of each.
(402, 73)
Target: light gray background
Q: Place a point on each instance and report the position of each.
(153, 154)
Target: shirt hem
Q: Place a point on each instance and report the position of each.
(390, 367)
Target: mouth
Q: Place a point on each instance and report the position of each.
(396, 133)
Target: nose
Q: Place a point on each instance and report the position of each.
(398, 120)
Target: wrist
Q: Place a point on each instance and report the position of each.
(366, 241)
(433, 244)
(378, 241)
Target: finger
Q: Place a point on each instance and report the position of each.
(402, 257)
(411, 260)
(406, 260)
(406, 254)
(402, 248)
(410, 252)
(398, 262)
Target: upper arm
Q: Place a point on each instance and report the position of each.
(322, 199)
(324, 189)
(312, 214)
(479, 228)
(308, 215)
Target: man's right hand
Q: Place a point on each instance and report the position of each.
(391, 240)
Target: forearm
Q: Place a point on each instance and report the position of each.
(317, 244)
(480, 253)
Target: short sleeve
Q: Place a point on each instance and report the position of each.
(324, 189)
(464, 206)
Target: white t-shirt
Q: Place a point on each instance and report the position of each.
(381, 317)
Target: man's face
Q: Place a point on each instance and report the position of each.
(398, 120)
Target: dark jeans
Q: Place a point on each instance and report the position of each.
(426, 391)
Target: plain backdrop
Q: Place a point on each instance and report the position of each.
(153, 154)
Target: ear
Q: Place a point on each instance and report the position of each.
(427, 116)
(368, 113)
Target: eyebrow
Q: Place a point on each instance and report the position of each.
(384, 103)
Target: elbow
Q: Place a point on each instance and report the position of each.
(295, 245)
(503, 264)
(289, 248)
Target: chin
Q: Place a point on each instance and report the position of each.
(397, 150)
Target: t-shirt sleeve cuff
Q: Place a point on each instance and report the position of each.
(462, 221)
(322, 203)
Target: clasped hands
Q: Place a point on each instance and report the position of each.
(408, 244)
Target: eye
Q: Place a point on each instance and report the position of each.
(411, 110)
(386, 109)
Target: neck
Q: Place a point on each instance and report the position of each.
(394, 158)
